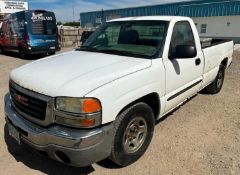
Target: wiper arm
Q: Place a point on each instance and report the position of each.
(122, 53)
(88, 48)
(113, 51)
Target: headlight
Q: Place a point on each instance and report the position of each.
(78, 105)
(78, 112)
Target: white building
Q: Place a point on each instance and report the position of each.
(224, 27)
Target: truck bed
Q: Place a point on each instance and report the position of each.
(214, 52)
(209, 42)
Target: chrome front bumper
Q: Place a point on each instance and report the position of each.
(81, 147)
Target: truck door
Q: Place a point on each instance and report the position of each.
(183, 75)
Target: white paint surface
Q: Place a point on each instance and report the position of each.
(218, 26)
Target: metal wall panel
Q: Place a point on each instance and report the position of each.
(199, 8)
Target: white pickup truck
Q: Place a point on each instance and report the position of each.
(103, 99)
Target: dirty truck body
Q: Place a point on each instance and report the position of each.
(102, 100)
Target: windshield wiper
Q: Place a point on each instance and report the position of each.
(88, 48)
(122, 53)
(113, 51)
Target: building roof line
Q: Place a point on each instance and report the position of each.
(182, 3)
(208, 3)
(164, 4)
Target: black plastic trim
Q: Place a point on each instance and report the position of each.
(184, 90)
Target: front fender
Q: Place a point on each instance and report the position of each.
(118, 94)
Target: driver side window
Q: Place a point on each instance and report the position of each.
(182, 35)
(109, 37)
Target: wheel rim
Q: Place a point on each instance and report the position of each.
(220, 80)
(135, 135)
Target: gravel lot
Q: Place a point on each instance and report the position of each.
(201, 137)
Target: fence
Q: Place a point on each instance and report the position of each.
(71, 37)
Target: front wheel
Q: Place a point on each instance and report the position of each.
(22, 54)
(52, 53)
(216, 86)
(1, 50)
(133, 133)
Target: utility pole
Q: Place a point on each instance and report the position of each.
(73, 12)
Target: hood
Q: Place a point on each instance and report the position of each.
(75, 73)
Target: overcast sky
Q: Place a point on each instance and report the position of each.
(64, 8)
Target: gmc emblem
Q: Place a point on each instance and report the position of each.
(20, 99)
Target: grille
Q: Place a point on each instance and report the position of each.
(26, 104)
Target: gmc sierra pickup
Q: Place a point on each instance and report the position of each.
(103, 99)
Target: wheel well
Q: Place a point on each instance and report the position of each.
(224, 62)
(151, 99)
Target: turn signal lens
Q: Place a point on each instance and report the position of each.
(91, 106)
(87, 122)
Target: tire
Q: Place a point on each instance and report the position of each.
(22, 53)
(52, 53)
(134, 127)
(1, 50)
(216, 86)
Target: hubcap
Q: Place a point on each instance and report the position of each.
(135, 135)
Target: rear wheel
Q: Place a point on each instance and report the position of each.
(216, 86)
(22, 53)
(133, 133)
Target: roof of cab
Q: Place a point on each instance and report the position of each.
(140, 18)
(148, 18)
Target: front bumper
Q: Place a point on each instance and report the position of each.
(70, 146)
(40, 50)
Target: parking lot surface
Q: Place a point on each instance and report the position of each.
(201, 137)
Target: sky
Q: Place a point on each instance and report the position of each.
(63, 9)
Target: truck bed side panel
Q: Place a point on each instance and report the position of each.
(213, 57)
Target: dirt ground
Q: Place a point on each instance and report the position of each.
(202, 137)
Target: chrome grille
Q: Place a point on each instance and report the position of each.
(26, 104)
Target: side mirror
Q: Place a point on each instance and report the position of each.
(185, 51)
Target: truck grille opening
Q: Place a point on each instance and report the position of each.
(26, 104)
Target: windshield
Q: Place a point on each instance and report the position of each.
(42, 23)
(130, 38)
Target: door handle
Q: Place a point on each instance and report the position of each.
(198, 61)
